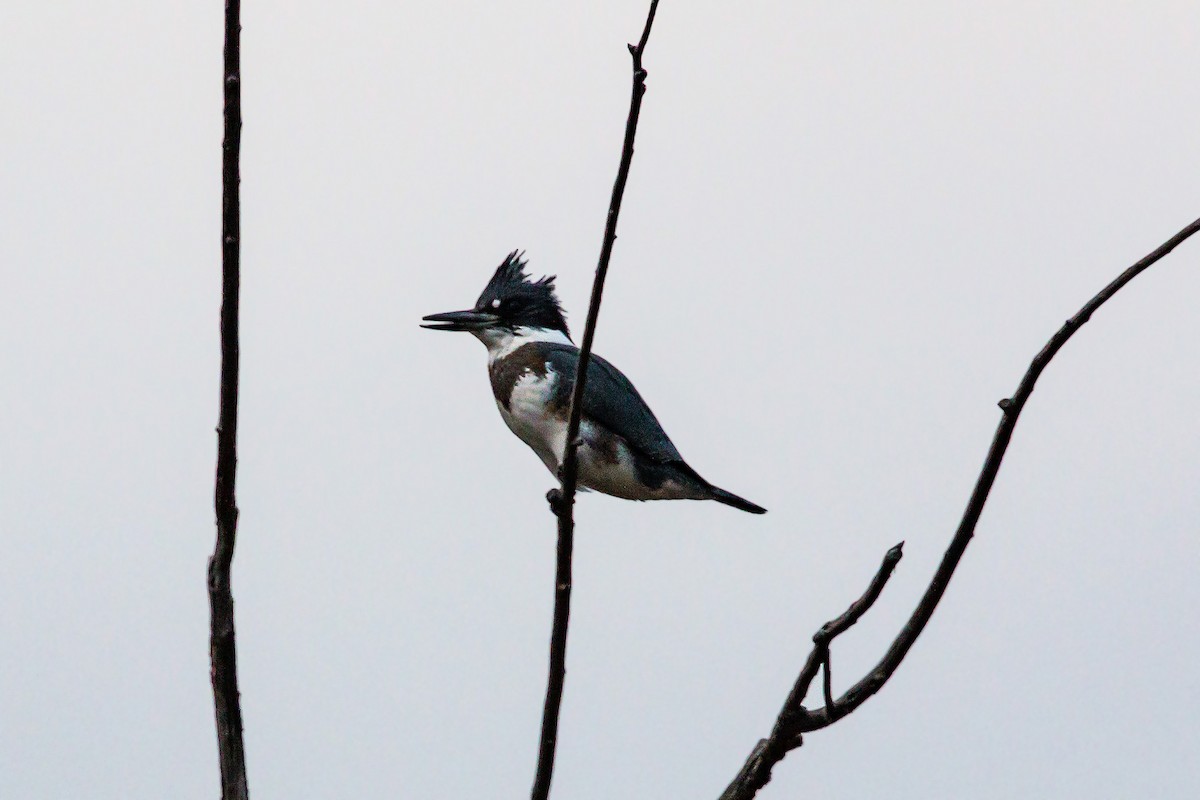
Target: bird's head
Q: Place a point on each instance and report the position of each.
(511, 305)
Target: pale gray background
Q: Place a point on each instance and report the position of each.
(848, 229)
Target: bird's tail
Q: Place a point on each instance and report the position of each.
(731, 499)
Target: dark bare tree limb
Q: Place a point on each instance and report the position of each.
(222, 644)
(795, 720)
(562, 500)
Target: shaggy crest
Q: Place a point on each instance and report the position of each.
(520, 301)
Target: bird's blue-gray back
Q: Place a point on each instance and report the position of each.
(609, 399)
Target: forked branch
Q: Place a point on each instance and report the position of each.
(795, 719)
(562, 500)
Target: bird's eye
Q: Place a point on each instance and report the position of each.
(496, 303)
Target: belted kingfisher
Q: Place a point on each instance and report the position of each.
(624, 451)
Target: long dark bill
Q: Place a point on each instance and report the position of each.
(459, 321)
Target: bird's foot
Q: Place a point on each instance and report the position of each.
(555, 499)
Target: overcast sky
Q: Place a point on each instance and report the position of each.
(848, 229)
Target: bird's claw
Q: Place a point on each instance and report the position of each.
(555, 499)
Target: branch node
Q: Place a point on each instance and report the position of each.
(793, 718)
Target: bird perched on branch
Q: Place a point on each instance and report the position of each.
(624, 451)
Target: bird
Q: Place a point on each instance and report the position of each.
(623, 451)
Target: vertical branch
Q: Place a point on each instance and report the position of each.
(222, 646)
(562, 501)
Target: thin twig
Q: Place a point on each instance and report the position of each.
(827, 676)
(222, 644)
(794, 719)
(562, 502)
(836, 627)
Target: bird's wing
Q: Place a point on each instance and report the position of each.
(610, 399)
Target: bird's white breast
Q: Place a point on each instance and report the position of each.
(528, 418)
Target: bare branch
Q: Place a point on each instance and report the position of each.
(836, 627)
(787, 733)
(795, 720)
(222, 645)
(562, 501)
